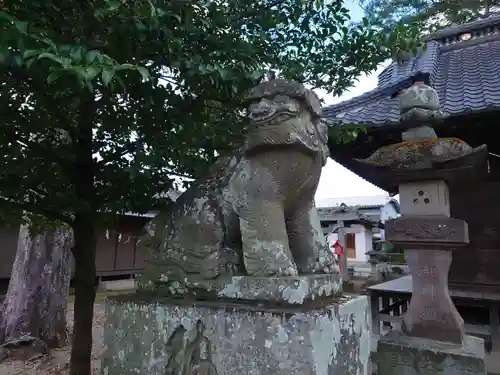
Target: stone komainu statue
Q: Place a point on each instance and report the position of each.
(254, 213)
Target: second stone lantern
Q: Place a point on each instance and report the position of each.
(423, 167)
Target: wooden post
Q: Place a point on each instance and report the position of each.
(374, 307)
(386, 302)
(494, 327)
(344, 271)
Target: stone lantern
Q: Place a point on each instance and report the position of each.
(373, 261)
(423, 167)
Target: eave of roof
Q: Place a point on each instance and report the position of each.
(466, 75)
(466, 27)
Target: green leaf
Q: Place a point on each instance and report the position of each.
(52, 57)
(48, 42)
(52, 77)
(392, 39)
(89, 85)
(29, 53)
(90, 72)
(400, 28)
(6, 16)
(403, 45)
(30, 62)
(113, 5)
(77, 54)
(107, 75)
(22, 26)
(91, 56)
(256, 75)
(121, 83)
(143, 72)
(126, 66)
(18, 60)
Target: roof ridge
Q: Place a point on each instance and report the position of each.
(492, 20)
(361, 196)
(464, 73)
(378, 92)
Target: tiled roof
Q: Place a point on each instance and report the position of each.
(465, 73)
(358, 202)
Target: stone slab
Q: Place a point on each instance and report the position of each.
(398, 354)
(171, 337)
(427, 232)
(289, 289)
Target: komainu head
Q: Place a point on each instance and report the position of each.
(281, 99)
(285, 113)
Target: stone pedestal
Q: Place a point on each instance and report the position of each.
(177, 337)
(343, 265)
(432, 313)
(429, 241)
(286, 290)
(429, 235)
(398, 354)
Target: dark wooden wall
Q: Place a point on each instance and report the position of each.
(113, 257)
(478, 264)
(8, 245)
(117, 251)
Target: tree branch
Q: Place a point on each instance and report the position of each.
(37, 147)
(181, 175)
(118, 155)
(35, 208)
(21, 77)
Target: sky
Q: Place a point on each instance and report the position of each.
(337, 181)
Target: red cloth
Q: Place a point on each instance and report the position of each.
(337, 248)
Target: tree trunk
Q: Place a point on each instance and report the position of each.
(84, 227)
(37, 297)
(85, 290)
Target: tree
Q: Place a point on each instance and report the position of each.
(29, 314)
(428, 15)
(104, 102)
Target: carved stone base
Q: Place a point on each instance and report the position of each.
(398, 354)
(431, 313)
(172, 337)
(289, 290)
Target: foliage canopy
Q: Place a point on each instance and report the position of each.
(150, 86)
(428, 15)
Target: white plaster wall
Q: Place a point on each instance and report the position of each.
(363, 244)
(387, 212)
(363, 238)
(368, 243)
(331, 238)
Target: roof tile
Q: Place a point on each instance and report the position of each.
(360, 201)
(466, 79)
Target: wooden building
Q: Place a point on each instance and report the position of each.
(117, 253)
(462, 63)
(358, 220)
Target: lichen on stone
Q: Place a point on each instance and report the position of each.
(165, 338)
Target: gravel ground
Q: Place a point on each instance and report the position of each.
(58, 363)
